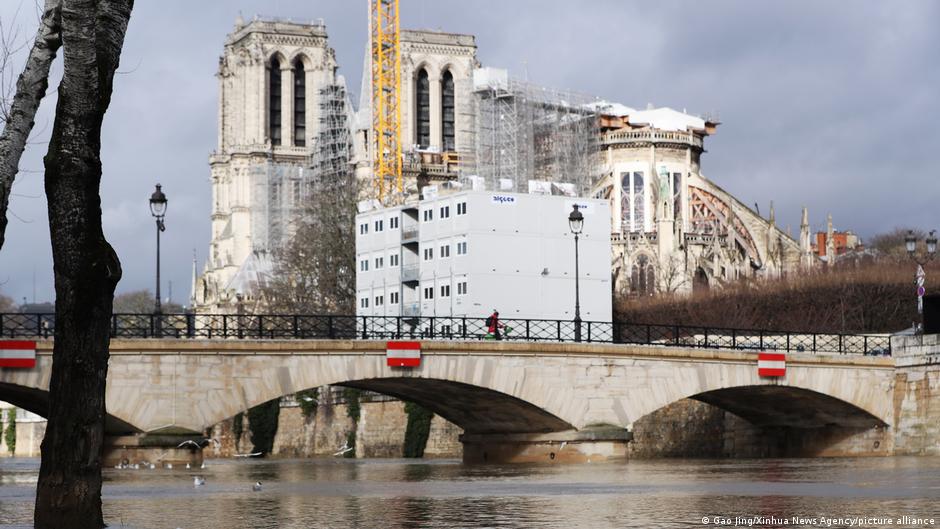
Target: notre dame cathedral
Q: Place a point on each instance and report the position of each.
(286, 119)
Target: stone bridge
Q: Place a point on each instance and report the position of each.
(514, 400)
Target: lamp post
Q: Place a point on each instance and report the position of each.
(158, 210)
(576, 223)
(910, 242)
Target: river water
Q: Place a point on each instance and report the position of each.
(389, 494)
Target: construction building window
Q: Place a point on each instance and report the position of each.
(300, 102)
(379, 301)
(429, 254)
(461, 248)
(393, 223)
(445, 291)
(393, 298)
(445, 212)
(445, 251)
(274, 102)
(393, 260)
(447, 111)
(423, 110)
(461, 208)
(428, 292)
(462, 288)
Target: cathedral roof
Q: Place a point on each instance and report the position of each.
(665, 118)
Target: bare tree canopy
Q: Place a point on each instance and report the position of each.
(314, 273)
(20, 115)
(87, 269)
(142, 302)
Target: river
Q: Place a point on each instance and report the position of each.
(390, 494)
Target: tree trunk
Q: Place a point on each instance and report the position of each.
(30, 89)
(86, 268)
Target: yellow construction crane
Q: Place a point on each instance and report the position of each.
(386, 96)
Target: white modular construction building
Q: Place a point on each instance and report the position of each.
(467, 253)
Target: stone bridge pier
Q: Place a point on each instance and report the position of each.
(515, 401)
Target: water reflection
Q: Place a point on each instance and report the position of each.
(390, 494)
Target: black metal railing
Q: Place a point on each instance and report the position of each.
(303, 326)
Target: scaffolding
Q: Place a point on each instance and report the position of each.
(331, 157)
(283, 188)
(527, 132)
(277, 198)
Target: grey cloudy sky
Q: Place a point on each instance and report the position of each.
(828, 104)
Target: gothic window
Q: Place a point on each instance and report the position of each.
(699, 280)
(300, 102)
(274, 102)
(423, 109)
(447, 111)
(632, 202)
(639, 202)
(643, 277)
(677, 195)
(625, 202)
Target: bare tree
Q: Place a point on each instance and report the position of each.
(141, 302)
(86, 267)
(314, 273)
(671, 274)
(20, 113)
(891, 243)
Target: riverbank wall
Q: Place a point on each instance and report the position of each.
(917, 394)
(379, 431)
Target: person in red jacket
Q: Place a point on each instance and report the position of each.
(493, 325)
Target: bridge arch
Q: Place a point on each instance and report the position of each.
(35, 400)
(789, 406)
(475, 409)
(816, 391)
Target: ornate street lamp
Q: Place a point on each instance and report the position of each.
(576, 223)
(158, 203)
(910, 242)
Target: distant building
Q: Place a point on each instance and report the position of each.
(674, 230)
(285, 123)
(437, 117)
(469, 252)
(842, 242)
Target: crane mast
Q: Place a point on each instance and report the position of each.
(386, 97)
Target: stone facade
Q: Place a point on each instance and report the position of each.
(674, 230)
(430, 55)
(507, 393)
(531, 392)
(30, 429)
(916, 391)
(277, 80)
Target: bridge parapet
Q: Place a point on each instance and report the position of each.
(412, 327)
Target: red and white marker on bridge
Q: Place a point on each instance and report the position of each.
(771, 364)
(403, 354)
(17, 353)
